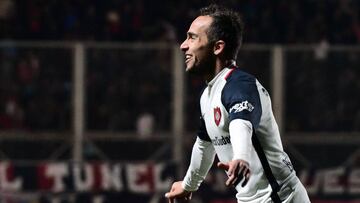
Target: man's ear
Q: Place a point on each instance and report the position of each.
(219, 47)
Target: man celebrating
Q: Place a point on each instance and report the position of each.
(237, 123)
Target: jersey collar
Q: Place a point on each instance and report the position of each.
(222, 72)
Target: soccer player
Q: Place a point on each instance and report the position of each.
(237, 122)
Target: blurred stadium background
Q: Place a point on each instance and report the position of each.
(95, 106)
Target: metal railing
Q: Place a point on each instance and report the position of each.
(270, 62)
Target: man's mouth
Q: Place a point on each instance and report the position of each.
(187, 58)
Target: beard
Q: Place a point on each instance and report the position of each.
(203, 67)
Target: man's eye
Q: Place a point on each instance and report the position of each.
(191, 37)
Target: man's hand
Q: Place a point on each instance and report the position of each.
(237, 170)
(178, 193)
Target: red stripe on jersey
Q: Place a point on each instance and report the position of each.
(229, 73)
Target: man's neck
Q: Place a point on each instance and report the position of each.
(219, 66)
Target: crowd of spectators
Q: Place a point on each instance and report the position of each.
(35, 93)
(322, 93)
(125, 85)
(280, 21)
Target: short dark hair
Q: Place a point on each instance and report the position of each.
(227, 26)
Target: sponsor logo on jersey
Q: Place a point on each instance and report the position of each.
(288, 163)
(221, 141)
(245, 105)
(217, 115)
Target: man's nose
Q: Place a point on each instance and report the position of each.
(184, 46)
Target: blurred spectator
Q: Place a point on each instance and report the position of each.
(321, 50)
(145, 125)
(12, 117)
(6, 18)
(6, 9)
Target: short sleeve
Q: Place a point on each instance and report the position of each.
(241, 99)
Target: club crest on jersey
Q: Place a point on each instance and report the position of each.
(217, 115)
(245, 105)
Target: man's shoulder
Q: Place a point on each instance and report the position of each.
(239, 81)
(238, 75)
